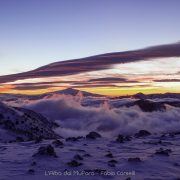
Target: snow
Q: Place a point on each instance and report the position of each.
(77, 116)
(16, 159)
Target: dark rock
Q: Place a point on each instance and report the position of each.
(8, 124)
(33, 163)
(74, 163)
(122, 139)
(112, 163)
(55, 125)
(93, 135)
(1, 116)
(176, 164)
(33, 124)
(164, 152)
(127, 138)
(38, 140)
(174, 133)
(128, 178)
(142, 133)
(78, 150)
(136, 159)
(163, 135)
(31, 171)
(57, 143)
(19, 139)
(78, 157)
(87, 155)
(2, 148)
(109, 155)
(154, 142)
(47, 151)
(150, 106)
(72, 139)
(80, 137)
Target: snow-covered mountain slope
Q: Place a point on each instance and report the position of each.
(24, 123)
(151, 157)
(137, 136)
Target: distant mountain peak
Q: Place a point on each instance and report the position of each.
(140, 95)
(70, 89)
(74, 92)
(153, 96)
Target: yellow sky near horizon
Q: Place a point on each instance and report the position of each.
(149, 77)
(103, 91)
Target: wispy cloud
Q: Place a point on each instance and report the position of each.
(32, 87)
(112, 80)
(43, 83)
(167, 80)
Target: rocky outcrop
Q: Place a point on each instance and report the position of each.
(150, 106)
(121, 138)
(164, 152)
(45, 151)
(142, 133)
(74, 163)
(57, 143)
(93, 135)
(25, 124)
(134, 160)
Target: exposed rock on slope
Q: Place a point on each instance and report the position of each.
(150, 106)
(25, 122)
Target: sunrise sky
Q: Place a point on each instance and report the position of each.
(76, 35)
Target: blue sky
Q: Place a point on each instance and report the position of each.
(37, 32)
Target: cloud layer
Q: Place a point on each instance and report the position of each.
(76, 119)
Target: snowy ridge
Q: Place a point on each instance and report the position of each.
(25, 123)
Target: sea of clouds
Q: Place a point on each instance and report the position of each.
(76, 119)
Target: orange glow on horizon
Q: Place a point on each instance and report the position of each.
(6, 88)
(148, 77)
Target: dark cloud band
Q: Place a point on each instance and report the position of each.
(167, 80)
(95, 63)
